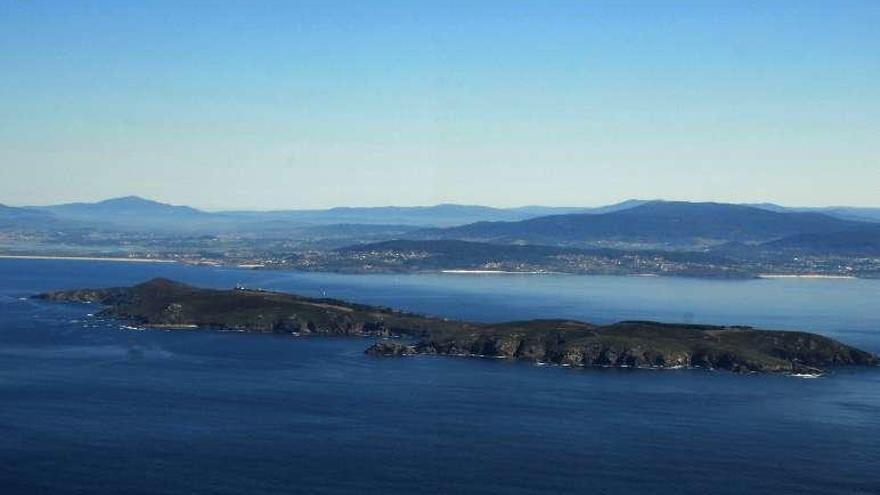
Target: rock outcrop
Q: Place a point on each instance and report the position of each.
(169, 304)
(642, 344)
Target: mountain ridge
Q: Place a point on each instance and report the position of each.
(657, 223)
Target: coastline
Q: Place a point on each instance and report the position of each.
(493, 272)
(807, 276)
(624, 344)
(83, 258)
(252, 266)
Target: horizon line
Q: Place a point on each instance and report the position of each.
(434, 205)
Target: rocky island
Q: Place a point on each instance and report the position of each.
(168, 304)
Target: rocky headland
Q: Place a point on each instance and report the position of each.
(639, 344)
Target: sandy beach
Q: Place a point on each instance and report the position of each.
(810, 276)
(491, 272)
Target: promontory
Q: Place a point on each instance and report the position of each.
(165, 303)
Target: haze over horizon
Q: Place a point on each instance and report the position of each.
(426, 205)
(322, 104)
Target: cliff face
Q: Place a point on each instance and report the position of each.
(644, 345)
(164, 303)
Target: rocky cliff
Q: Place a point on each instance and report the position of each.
(165, 303)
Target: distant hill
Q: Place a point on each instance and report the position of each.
(844, 212)
(541, 211)
(860, 241)
(418, 216)
(443, 215)
(23, 218)
(653, 224)
(129, 212)
(853, 213)
(128, 205)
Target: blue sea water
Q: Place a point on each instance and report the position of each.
(89, 407)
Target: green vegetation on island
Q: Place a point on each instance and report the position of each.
(168, 304)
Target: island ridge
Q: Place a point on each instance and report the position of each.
(165, 303)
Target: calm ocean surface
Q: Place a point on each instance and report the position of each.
(88, 407)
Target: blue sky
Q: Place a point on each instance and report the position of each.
(311, 104)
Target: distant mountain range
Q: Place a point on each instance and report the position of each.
(132, 212)
(124, 210)
(415, 216)
(633, 224)
(655, 224)
(442, 215)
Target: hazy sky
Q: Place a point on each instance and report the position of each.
(259, 104)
